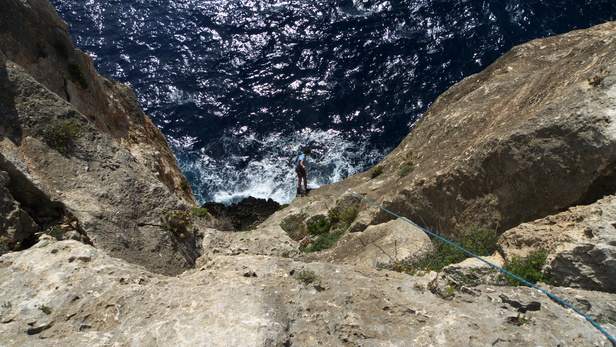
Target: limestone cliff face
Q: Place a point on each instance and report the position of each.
(530, 136)
(33, 36)
(85, 178)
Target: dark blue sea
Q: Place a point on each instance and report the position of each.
(239, 87)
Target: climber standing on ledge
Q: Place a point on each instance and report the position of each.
(300, 168)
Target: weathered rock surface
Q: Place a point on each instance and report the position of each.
(15, 224)
(115, 199)
(89, 298)
(243, 215)
(530, 136)
(378, 244)
(33, 36)
(581, 245)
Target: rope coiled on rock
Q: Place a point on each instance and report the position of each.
(550, 295)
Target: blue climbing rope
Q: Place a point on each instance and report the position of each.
(550, 295)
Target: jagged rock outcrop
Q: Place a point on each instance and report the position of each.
(33, 36)
(60, 165)
(530, 136)
(581, 245)
(16, 225)
(245, 214)
(68, 293)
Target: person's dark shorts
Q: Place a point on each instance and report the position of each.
(301, 172)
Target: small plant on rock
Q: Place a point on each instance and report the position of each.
(319, 227)
(376, 171)
(201, 213)
(528, 268)
(61, 134)
(57, 232)
(406, 170)
(324, 241)
(178, 222)
(184, 185)
(307, 277)
(77, 74)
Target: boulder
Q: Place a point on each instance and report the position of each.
(581, 245)
(472, 271)
(16, 225)
(379, 244)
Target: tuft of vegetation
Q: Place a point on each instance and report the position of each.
(528, 268)
(77, 75)
(324, 241)
(45, 309)
(7, 305)
(61, 134)
(406, 170)
(294, 226)
(342, 219)
(4, 248)
(482, 242)
(184, 185)
(319, 227)
(597, 79)
(201, 213)
(57, 232)
(419, 287)
(178, 222)
(376, 171)
(307, 277)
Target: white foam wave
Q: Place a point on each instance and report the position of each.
(270, 172)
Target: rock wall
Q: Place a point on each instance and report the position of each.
(530, 136)
(33, 36)
(55, 164)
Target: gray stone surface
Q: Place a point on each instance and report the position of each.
(581, 245)
(379, 244)
(68, 293)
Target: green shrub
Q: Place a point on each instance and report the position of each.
(45, 309)
(61, 134)
(528, 268)
(324, 241)
(319, 227)
(201, 213)
(184, 185)
(342, 220)
(178, 222)
(406, 170)
(376, 171)
(77, 74)
(307, 277)
(348, 216)
(56, 232)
